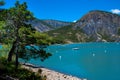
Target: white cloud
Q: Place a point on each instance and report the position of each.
(116, 11)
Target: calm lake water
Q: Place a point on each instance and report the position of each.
(94, 61)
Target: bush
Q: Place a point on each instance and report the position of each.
(40, 71)
(8, 69)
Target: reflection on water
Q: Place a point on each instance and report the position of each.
(95, 61)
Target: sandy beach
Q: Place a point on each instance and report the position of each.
(52, 75)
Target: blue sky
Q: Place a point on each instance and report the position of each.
(67, 10)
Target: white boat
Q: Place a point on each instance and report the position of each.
(75, 48)
(60, 57)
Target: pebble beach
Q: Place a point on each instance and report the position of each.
(51, 74)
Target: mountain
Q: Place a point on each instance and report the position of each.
(47, 25)
(99, 26)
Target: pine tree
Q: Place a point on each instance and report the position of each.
(21, 34)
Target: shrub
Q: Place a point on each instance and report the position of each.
(40, 71)
(8, 69)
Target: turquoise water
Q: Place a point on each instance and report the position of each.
(94, 61)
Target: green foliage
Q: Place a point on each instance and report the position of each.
(34, 52)
(90, 39)
(5, 34)
(108, 38)
(15, 30)
(20, 13)
(41, 38)
(38, 39)
(20, 34)
(25, 37)
(8, 68)
(16, 18)
(67, 34)
(4, 50)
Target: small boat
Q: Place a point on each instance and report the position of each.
(75, 48)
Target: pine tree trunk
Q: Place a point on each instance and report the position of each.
(16, 52)
(17, 46)
(16, 62)
(11, 52)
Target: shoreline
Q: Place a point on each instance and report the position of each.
(83, 43)
(51, 74)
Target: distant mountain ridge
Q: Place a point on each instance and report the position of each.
(57, 23)
(96, 25)
(47, 25)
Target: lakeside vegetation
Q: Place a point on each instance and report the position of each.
(7, 69)
(15, 35)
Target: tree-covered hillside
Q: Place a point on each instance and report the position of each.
(68, 34)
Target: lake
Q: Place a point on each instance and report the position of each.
(94, 61)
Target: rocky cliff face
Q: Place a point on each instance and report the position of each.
(39, 25)
(100, 25)
(47, 25)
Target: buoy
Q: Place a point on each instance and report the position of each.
(60, 57)
(105, 51)
(93, 54)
